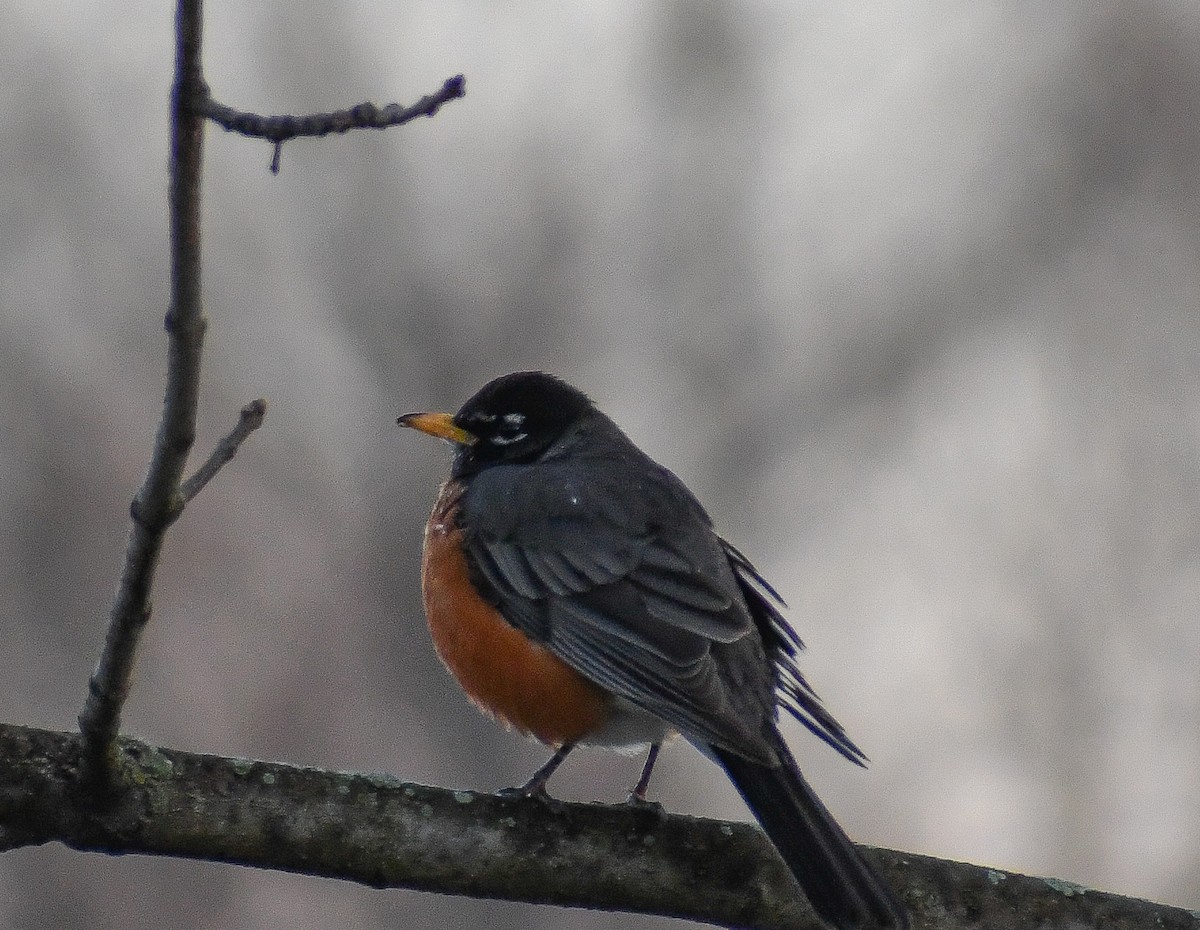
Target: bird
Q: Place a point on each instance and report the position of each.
(578, 592)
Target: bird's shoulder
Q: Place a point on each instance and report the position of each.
(594, 476)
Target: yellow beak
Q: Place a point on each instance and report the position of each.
(440, 425)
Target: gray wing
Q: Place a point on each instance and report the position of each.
(625, 581)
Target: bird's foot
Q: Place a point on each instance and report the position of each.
(532, 789)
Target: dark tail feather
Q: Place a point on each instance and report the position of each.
(844, 889)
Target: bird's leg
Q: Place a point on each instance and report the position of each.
(536, 786)
(638, 794)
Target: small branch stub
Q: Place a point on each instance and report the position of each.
(250, 419)
(279, 129)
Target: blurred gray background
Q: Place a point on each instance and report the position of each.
(909, 293)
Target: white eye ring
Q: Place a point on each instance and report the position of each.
(512, 430)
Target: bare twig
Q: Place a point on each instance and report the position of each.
(158, 502)
(279, 129)
(162, 496)
(250, 419)
(381, 832)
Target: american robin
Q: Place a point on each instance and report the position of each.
(578, 592)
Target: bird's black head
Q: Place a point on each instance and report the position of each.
(510, 420)
(515, 418)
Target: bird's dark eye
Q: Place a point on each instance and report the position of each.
(508, 429)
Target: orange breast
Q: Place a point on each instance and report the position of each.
(504, 672)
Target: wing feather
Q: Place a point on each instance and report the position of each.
(627, 583)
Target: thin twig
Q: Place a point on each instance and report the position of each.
(279, 129)
(250, 419)
(158, 503)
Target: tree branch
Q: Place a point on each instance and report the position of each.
(159, 503)
(162, 496)
(381, 832)
(250, 419)
(279, 129)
